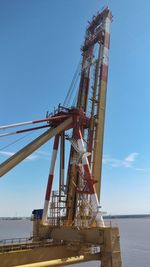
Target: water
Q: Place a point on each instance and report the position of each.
(135, 239)
(15, 229)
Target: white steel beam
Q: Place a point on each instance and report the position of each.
(31, 147)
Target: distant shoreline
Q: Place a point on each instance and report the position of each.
(126, 216)
(14, 218)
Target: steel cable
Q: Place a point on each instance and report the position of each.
(72, 85)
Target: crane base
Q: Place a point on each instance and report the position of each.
(65, 245)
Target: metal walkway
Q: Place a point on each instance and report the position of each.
(15, 244)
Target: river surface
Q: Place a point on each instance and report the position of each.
(134, 236)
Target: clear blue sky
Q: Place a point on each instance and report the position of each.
(40, 44)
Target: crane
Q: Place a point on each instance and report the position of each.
(71, 217)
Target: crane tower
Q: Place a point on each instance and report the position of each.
(71, 217)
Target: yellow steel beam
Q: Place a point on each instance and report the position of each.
(31, 147)
(99, 136)
(63, 262)
(57, 255)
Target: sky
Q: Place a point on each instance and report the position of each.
(40, 44)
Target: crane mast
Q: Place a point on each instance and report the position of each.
(95, 59)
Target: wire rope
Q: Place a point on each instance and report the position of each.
(16, 141)
(72, 85)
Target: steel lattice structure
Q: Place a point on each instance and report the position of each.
(71, 216)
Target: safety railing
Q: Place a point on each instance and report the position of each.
(15, 244)
(15, 240)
